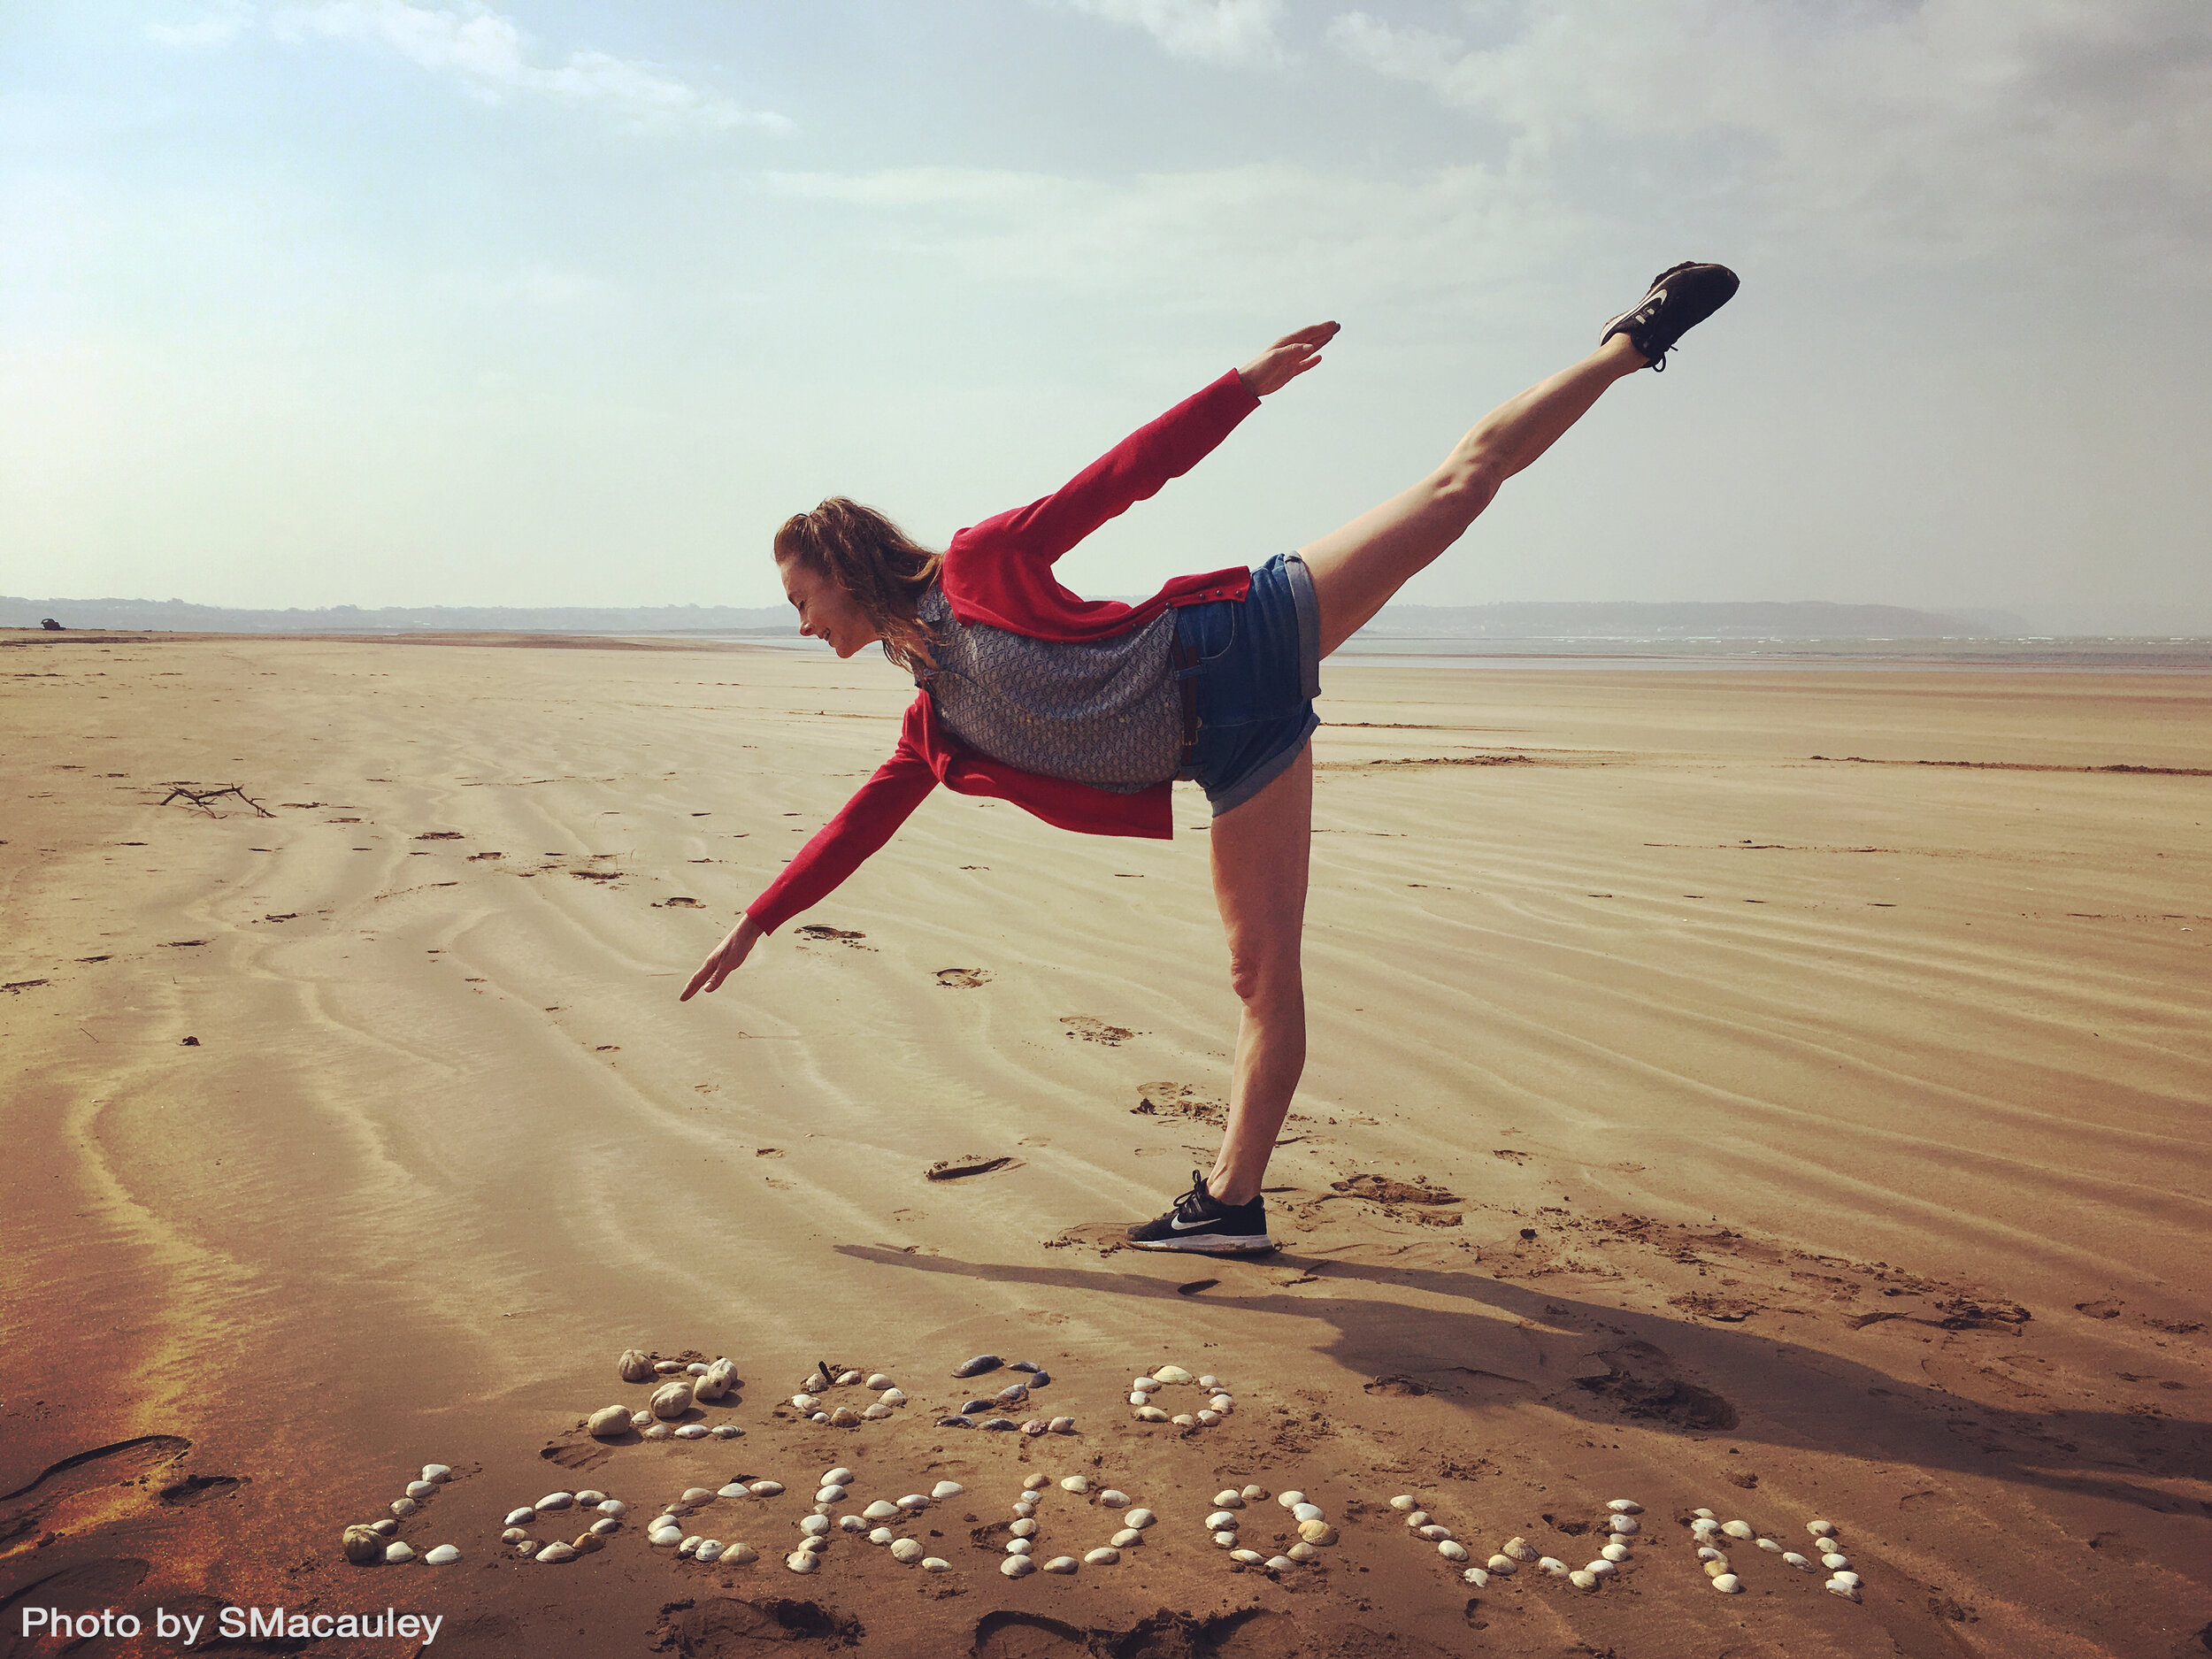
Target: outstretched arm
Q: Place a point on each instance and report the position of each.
(1286, 359)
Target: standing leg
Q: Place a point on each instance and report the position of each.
(1357, 568)
(1260, 854)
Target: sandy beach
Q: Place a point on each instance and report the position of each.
(1780, 1093)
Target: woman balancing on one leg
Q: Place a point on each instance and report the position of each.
(1083, 711)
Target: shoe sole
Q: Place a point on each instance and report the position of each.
(1206, 1246)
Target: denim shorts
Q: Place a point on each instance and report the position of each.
(1258, 671)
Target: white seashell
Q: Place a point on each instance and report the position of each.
(844, 1418)
(1625, 1506)
(1279, 1564)
(1405, 1503)
(1791, 1558)
(879, 1381)
(1230, 1499)
(1743, 1530)
(913, 1503)
(693, 1432)
(1286, 1499)
(1151, 1414)
(659, 1431)
(606, 1525)
(1106, 1555)
(830, 1494)
(709, 1549)
(1614, 1552)
(735, 1489)
(1076, 1483)
(906, 1550)
(399, 1551)
(693, 1496)
(607, 1423)
(1302, 1553)
(1626, 1526)
(663, 1537)
(947, 1489)
(802, 1561)
(633, 1366)
(405, 1507)
(421, 1488)
(1061, 1564)
(1035, 1483)
(1221, 1521)
(847, 1378)
(1113, 1500)
(881, 1509)
(1768, 1544)
(1140, 1518)
(1017, 1566)
(697, 1368)
(814, 1526)
(671, 1400)
(641, 1419)
(1128, 1537)
(513, 1535)
(1207, 1419)
(1553, 1565)
(1170, 1374)
(1703, 1515)
(1728, 1584)
(936, 1563)
(1434, 1533)
(1418, 1518)
(839, 1476)
(1306, 1512)
(803, 1401)
(768, 1489)
(553, 1555)
(385, 1528)
(444, 1556)
(1316, 1532)
(1519, 1550)
(1247, 1557)
(526, 1550)
(739, 1554)
(851, 1524)
(1600, 1568)
(1821, 1529)
(1143, 1384)
(1209, 1382)
(1706, 1552)
(1477, 1576)
(1501, 1565)
(1706, 1528)
(1452, 1550)
(688, 1546)
(1835, 1563)
(876, 1413)
(1023, 1528)
(892, 1397)
(1254, 1494)
(1060, 1425)
(521, 1518)
(1713, 1569)
(1583, 1578)
(1022, 1512)
(1222, 1403)
(1837, 1587)
(1851, 1578)
(1019, 1546)
(883, 1535)
(814, 1545)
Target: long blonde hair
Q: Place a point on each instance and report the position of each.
(885, 569)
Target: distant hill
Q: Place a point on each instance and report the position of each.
(1806, 620)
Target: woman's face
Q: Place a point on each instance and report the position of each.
(827, 612)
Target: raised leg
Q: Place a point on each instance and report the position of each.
(1356, 569)
(1260, 855)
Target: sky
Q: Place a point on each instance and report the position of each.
(371, 302)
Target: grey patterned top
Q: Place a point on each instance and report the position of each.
(1103, 712)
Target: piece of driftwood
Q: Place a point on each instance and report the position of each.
(201, 797)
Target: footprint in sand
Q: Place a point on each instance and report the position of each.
(1170, 1099)
(1095, 1030)
(834, 935)
(962, 979)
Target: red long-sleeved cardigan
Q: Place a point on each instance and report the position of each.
(999, 572)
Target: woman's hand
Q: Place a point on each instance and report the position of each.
(725, 958)
(1286, 359)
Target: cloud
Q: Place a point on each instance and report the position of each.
(488, 55)
(1213, 236)
(215, 27)
(1954, 126)
(1238, 33)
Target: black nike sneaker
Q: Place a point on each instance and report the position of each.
(1202, 1224)
(1680, 298)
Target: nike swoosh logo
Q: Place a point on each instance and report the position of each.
(1181, 1226)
